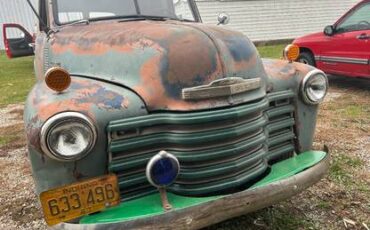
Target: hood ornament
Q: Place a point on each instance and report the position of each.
(221, 88)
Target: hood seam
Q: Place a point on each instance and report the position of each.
(223, 67)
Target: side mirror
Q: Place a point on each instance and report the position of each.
(223, 19)
(18, 42)
(329, 31)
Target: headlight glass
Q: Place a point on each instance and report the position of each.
(315, 87)
(68, 136)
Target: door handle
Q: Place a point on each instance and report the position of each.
(363, 37)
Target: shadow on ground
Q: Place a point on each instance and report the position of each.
(342, 82)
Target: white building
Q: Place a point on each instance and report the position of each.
(260, 20)
(264, 20)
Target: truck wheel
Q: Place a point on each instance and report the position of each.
(306, 58)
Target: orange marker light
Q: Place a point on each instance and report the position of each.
(291, 53)
(57, 79)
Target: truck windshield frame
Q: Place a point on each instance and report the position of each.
(135, 9)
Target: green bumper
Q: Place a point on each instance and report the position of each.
(286, 179)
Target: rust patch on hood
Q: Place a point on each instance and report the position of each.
(83, 96)
(86, 95)
(283, 70)
(157, 59)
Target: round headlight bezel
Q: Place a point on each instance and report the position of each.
(305, 95)
(58, 120)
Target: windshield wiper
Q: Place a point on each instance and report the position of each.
(145, 17)
(124, 17)
(186, 20)
(82, 21)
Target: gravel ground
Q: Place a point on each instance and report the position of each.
(328, 205)
(9, 115)
(18, 202)
(19, 208)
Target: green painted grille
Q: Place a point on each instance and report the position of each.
(219, 150)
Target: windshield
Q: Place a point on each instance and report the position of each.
(67, 11)
(357, 20)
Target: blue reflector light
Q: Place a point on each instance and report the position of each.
(163, 169)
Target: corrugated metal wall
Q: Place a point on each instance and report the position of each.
(16, 11)
(265, 20)
(261, 20)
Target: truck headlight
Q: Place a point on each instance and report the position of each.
(68, 136)
(314, 87)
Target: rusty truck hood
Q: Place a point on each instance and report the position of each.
(158, 60)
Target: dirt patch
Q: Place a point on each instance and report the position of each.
(11, 115)
(11, 129)
(19, 208)
(12, 137)
(332, 96)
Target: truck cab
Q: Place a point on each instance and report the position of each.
(143, 116)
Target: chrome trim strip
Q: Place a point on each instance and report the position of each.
(221, 88)
(359, 61)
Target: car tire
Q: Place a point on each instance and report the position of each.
(307, 58)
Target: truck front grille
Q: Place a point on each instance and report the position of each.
(219, 150)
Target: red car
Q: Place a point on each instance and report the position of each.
(343, 48)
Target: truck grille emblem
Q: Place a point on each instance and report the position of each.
(221, 88)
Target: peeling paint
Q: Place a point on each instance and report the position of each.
(157, 59)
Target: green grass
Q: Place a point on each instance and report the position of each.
(341, 167)
(5, 140)
(354, 111)
(16, 79)
(324, 204)
(284, 220)
(271, 51)
(276, 218)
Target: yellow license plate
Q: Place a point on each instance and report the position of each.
(79, 199)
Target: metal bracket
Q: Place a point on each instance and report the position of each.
(165, 203)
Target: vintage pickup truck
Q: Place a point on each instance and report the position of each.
(143, 117)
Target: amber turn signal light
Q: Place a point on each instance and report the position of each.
(57, 79)
(291, 52)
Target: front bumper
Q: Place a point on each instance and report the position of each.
(287, 178)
